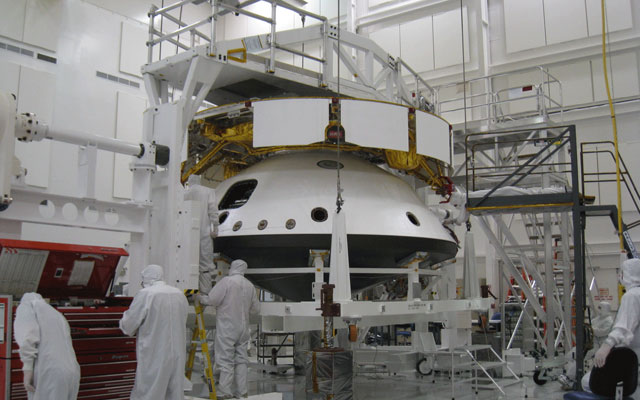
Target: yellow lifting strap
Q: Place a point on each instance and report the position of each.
(200, 337)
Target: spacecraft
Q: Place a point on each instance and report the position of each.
(278, 200)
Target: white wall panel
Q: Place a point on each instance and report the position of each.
(9, 77)
(376, 3)
(133, 48)
(524, 24)
(389, 39)
(416, 45)
(447, 32)
(374, 124)
(255, 26)
(619, 16)
(521, 101)
(42, 23)
(432, 136)
(565, 20)
(305, 120)
(311, 6)
(36, 94)
(576, 83)
(235, 26)
(128, 128)
(12, 18)
(61, 234)
(623, 81)
(285, 19)
(452, 104)
(329, 8)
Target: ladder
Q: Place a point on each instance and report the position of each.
(200, 337)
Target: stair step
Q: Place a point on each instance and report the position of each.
(474, 347)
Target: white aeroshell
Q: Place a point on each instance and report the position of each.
(291, 185)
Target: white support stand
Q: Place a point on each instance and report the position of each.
(317, 259)
(339, 264)
(87, 162)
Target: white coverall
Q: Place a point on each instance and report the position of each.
(234, 298)
(45, 348)
(626, 329)
(158, 314)
(602, 323)
(208, 228)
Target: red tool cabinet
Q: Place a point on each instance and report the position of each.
(69, 274)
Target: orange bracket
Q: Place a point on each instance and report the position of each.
(241, 51)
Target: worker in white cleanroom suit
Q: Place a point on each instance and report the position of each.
(626, 329)
(48, 361)
(208, 228)
(158, 314)
(234, 298)
(602, 323)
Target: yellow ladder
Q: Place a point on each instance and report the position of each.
(200, 337)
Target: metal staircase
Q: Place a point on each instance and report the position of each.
(477, 364)
(589, 178)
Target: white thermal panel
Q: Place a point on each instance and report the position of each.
(447, 32)
(576, 83)
(375, 124)
(133, 48)
(432, 137)
(36, 93)
(623, 76)
(289, 122)
(416, 46)
(523, 24)
(128, 128)
(619, 16)
(42, 21)
(565, 20)
(12, 18)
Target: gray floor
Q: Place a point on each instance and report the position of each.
(382, 386)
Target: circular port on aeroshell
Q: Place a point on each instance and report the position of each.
(262, 224)
(223, 217)
(319, 214)
(329, 164)
(291, 223)
(237, 226)
(413, 219)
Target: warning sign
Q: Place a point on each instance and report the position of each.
(603, 295)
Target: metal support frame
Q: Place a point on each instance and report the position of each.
(548, 229)
(390, 85)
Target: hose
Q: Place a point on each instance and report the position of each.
(613, 122)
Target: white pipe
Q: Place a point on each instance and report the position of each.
(28, 128)
(101, 142)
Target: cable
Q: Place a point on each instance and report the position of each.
(464, 96)
(339, 200)
(613, 123)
